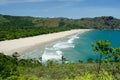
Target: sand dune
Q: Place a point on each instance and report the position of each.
(8, 47)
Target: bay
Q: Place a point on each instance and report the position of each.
(77, 47)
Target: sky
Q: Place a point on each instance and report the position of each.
(61, 8)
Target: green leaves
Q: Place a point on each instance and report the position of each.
(104, 75)
(101, 46)
(116, 54)
(105, 52)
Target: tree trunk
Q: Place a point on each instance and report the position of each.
(99, 63)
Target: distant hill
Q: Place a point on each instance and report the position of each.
(12, 27)
(104, 22)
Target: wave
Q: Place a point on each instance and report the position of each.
(72, 38)
(51, 55)
(54, 52)
(63, 45)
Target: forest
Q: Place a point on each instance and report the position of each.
(14, 27)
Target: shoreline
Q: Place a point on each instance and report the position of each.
(21, 45)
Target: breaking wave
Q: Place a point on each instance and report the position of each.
(54, 52)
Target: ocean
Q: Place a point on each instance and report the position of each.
(76, 47)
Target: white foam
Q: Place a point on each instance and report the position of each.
(54, 52)
(63, 45)
(52, 48)
(59, 52)
(51, 55)
(72, 38)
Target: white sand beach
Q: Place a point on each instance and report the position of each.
(8, 47)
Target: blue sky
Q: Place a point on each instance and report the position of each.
(61, 8)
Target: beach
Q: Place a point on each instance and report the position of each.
(8, 47)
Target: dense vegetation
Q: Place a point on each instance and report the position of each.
(12, 27)
(13, 69)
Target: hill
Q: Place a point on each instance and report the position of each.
(12, 27)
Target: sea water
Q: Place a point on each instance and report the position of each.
(77, 47)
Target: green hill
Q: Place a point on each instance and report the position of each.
(12, 27)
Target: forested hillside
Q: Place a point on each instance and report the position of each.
(12, 27)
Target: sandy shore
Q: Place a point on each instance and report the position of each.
(19, 45)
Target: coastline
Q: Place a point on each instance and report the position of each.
(8, 47)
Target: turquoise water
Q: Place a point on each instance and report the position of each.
(78, 47)
(75, 47)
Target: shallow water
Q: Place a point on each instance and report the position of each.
(75, 47)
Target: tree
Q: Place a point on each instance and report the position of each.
(63, 59)
(102, 48)
(115, 54)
